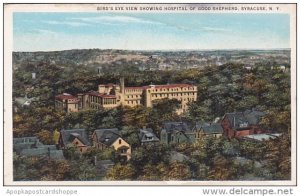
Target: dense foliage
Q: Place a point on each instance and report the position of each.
(221, 89)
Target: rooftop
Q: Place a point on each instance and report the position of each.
(107, 136)
(68, 135)
(244, 119)
(147, 135)
(101, 95)
(262, 137)
(65, 96)
(176, 126)
(210, 128)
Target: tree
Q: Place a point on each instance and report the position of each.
(178, 171)
(107, 154)
(39, 168)
(71, 152)
(82, 170)
(130, 135)
(56, 135)
(45, 137)
(220, 169)
(121, 172)
(150, 173)
(166, 106)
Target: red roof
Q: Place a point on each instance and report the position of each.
(149, 86)
(160, 86)
(65, 96)
(173, 85)
(101, 95)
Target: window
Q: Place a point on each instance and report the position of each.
(123, 151)
(76, 143)
(120, 141)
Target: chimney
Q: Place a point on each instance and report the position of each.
(122, 85)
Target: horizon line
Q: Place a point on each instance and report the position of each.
(161, 50)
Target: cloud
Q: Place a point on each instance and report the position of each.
(117, 19)
(69, 23)
(215, 29)
(44, 31)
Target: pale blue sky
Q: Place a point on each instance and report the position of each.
(145, 31)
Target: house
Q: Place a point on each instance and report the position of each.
(147, 136)
(25, 143)
(76, 137)
(31, 146)
(208, 129)
(66, 102)
(24, 101)
(239, 124)
(111, 138)
(176, 132)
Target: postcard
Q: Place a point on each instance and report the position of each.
(150, 94)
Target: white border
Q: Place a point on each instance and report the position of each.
(9, 9)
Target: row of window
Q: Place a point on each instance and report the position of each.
(133, 90)
(94, 99)
(137, 102)
(95, 106)
(173, 94)
(109, 101)
(133, 96)
(102, 101)
(173, 89)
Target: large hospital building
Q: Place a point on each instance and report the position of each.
(113, 95)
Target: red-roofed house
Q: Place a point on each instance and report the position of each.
(66, 102)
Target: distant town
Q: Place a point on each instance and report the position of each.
(82, 115)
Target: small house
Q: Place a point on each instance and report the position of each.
(147, 136)
(239, 124)
(76, 137)
(32, 147)
(176, 132)
(208, 129)
(107, 138)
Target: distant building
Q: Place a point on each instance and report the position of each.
(239, 124)
(75, 137)
(261, 137)
(99, 70)
(248, 67)
(176, 132)
(147, 136)
(33, 75)
(66, 102)
(24, 101)
(31, 146)
(165, 67)
(208, 129)
(111, 138)
(113, 95)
